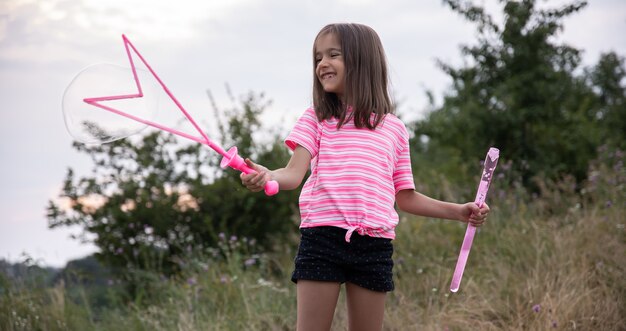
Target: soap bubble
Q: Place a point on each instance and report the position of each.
(91, 124)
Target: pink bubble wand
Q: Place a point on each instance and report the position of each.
(490, 166)
(230, 158)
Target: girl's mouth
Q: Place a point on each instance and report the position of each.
(327, 76)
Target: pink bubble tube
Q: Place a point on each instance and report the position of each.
(230, 157)
(490, 166)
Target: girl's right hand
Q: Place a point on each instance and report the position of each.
(255, 182)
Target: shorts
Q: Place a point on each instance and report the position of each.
(324, 255)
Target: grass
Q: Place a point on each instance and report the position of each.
(554, 263)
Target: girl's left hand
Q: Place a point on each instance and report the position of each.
(470, 213)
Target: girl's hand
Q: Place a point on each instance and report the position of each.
(470, 213)
(255, 182)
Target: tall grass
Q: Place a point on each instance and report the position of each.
(551, 263)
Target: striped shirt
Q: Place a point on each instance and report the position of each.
(355, 174)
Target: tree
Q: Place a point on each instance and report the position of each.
(149, 203)
(607, 81)
(519, 91)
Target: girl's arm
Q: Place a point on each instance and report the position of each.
(416, 203)
(288, 178)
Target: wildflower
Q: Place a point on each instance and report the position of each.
(263, 282)
(222, 236)
(609, 203)
(536, 308)
(233, 238)
(554, 325)
(593, 176)
(192, 281)
(501, 194)
(224, 279)
(249, 262)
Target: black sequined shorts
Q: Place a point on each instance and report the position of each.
(324, 255)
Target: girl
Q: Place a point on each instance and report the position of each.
(358, 153)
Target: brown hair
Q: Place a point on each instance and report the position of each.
(365, 78)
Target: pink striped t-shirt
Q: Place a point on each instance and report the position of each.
(355, 174)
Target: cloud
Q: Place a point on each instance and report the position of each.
(41, 31)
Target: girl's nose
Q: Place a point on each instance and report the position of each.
(322, 62)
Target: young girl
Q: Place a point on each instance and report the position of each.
(358, 154)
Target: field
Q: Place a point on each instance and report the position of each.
(552, 262)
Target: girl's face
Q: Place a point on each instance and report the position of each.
(329, 65)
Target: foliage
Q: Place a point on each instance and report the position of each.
(27, 274)
(606, 180)
(528, 270)
(149, 203)
(520, 90)
(606, 79)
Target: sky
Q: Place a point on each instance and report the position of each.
(195, 46)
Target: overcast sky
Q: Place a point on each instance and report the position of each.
(261, 46)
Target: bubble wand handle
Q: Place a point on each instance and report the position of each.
(229, 159)
(490, 166)
(233, 160)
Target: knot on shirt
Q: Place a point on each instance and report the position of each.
(358, 228)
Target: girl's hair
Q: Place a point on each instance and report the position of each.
(365, 78)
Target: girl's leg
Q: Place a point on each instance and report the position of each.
(366, 308)
(316, 304)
